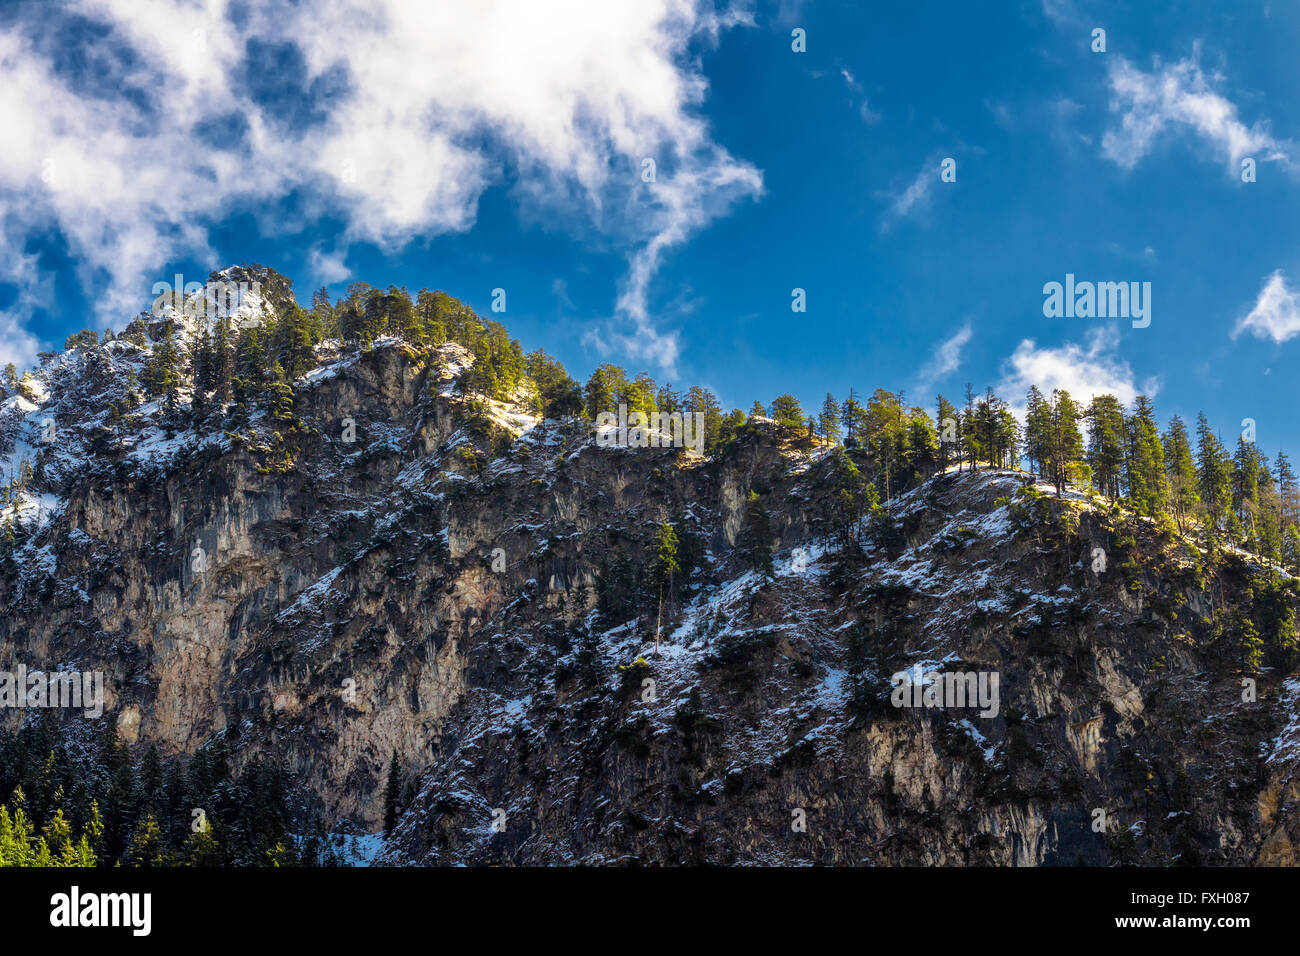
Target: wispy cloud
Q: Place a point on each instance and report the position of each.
(1061, 12)
(946, 358)
(1276, 313)
(1001, 114)
(560, 289)
(17, 344)
(914, 197)
(328, 268)
(869, 116)
(1180, 97)
(914, 194)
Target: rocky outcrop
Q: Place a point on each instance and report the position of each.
(427, 578)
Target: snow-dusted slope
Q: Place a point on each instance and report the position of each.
(406, 566)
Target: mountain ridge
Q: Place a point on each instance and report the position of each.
(478, 589)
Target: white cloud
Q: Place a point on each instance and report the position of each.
(1001, 114)
(914, 193)
(789, 13)
(683, 204)
(1276, 313)
(437, 102)
(328, 268)
(1179, 97)
(560, 289)
(1061, 12)
(869, 116)
(17, 345)
(946, 358)
(914, 197)
(1084, 371)
(1063, 119)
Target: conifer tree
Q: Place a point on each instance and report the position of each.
(1290, 549)
(756, 538)
(559, 395)
(392, 791)
(1214, 478)
(987, 418)
(203, 360)
(202, 351)
(828, 422)
(787, 411)
(279, 397)
(1287, 488)
(1246, 473)
(8, 537)
(443, 315)
(922, 445)
(884, 435)
(17, 833)
(851, 416)
(730, 428)
(201, 846)
(1065, 450)
(617, 593)
(1269, 525)
(968, 429)
(664, 566)
(296, 348)
(93, 833)
(639, 395)
(949, 440)
(324, 319)
(849, 497)
(1180, 468)
(607, 382)
(374, 315)
(351, 311)
(1007, 440)
(1148, 487)
(587, 659)
(57, 836)
(151, 780)
(1106, 444)
(668, 400)
(147, 848)
(161, 372)
(703, 401)
(223, 363)
(402, 318)
(994, 431)
(251, 362)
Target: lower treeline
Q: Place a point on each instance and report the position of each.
(73, 798)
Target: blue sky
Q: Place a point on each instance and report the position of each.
(482, 146)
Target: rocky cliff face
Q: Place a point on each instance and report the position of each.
(424, 577)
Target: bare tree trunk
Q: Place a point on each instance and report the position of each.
(659, 618)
